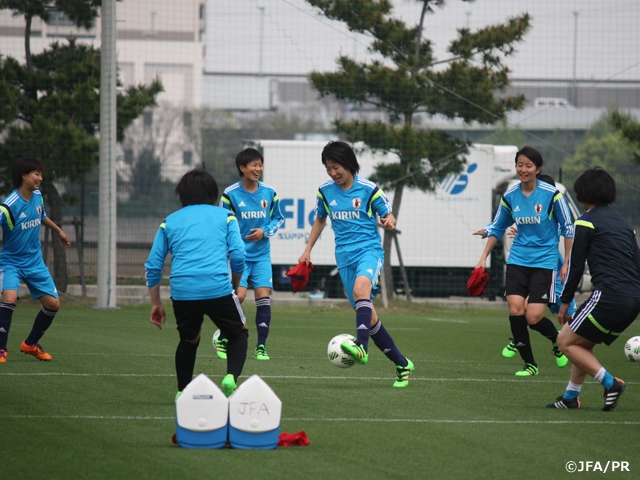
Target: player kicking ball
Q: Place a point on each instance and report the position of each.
(607, 243)
(352, 203)
(21, 215)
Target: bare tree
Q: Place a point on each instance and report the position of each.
(158, 146)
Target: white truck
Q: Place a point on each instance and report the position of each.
(437, 245)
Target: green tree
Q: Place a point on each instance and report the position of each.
(221, 135)
(52, 110)
(629, 127)
(506, 136)
(607, 148)
(406, 79)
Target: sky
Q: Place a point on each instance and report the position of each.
(291, 37)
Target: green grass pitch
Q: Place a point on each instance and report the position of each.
(103, 408)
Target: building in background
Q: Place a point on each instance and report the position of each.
(155, 38)
(258, 54)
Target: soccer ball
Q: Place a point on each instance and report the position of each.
(335, 353)
(632, 349)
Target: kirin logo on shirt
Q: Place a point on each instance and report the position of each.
(356, 203)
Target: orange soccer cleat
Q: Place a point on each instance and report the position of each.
(36, 351)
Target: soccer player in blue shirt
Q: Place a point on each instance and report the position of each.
(257, 207)
(510, 350)
(353, 203)
(21, 214)
(538, 210)
(605, 241)
(203, 240)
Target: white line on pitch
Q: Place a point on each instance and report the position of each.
(444, 320)
(434, 420)
(172, 355)
(290, 377)
(277, 327)
(370, 420)
(90, 417)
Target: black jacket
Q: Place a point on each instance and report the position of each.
(606, 241)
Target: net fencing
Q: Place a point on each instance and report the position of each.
(287, 76)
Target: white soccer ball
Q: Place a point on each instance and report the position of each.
(632, 349)
(335, 353)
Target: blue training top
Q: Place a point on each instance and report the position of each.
(260, 209)
(20, 220)
(203, 240)
(353, 218)
(537, 217)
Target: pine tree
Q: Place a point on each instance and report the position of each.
(407, 79)
(51, 107)
(629, 127)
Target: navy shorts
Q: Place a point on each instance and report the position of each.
(225, 312)
(536, 283)
(603, 317)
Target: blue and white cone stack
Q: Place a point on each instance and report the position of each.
(254, 416)
(202, 415)
(249, 419)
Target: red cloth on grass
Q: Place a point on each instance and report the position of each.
(477, 282)
(284, 440)
(290, 439)
(299, 275)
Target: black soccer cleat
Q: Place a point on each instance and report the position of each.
(562, 402)
(613, 394)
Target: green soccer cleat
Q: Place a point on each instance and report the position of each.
(261, 353)
(528, 370)
(221, 348)
(356, 351)
(561, 359)
(402, 374)
(178, 393)
(228, 385)
(510, 350)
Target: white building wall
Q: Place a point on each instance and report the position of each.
(156, 38)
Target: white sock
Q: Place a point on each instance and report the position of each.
(600, 375)
(574, 387)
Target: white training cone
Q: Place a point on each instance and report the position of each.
(202, 413)
(254, 416)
